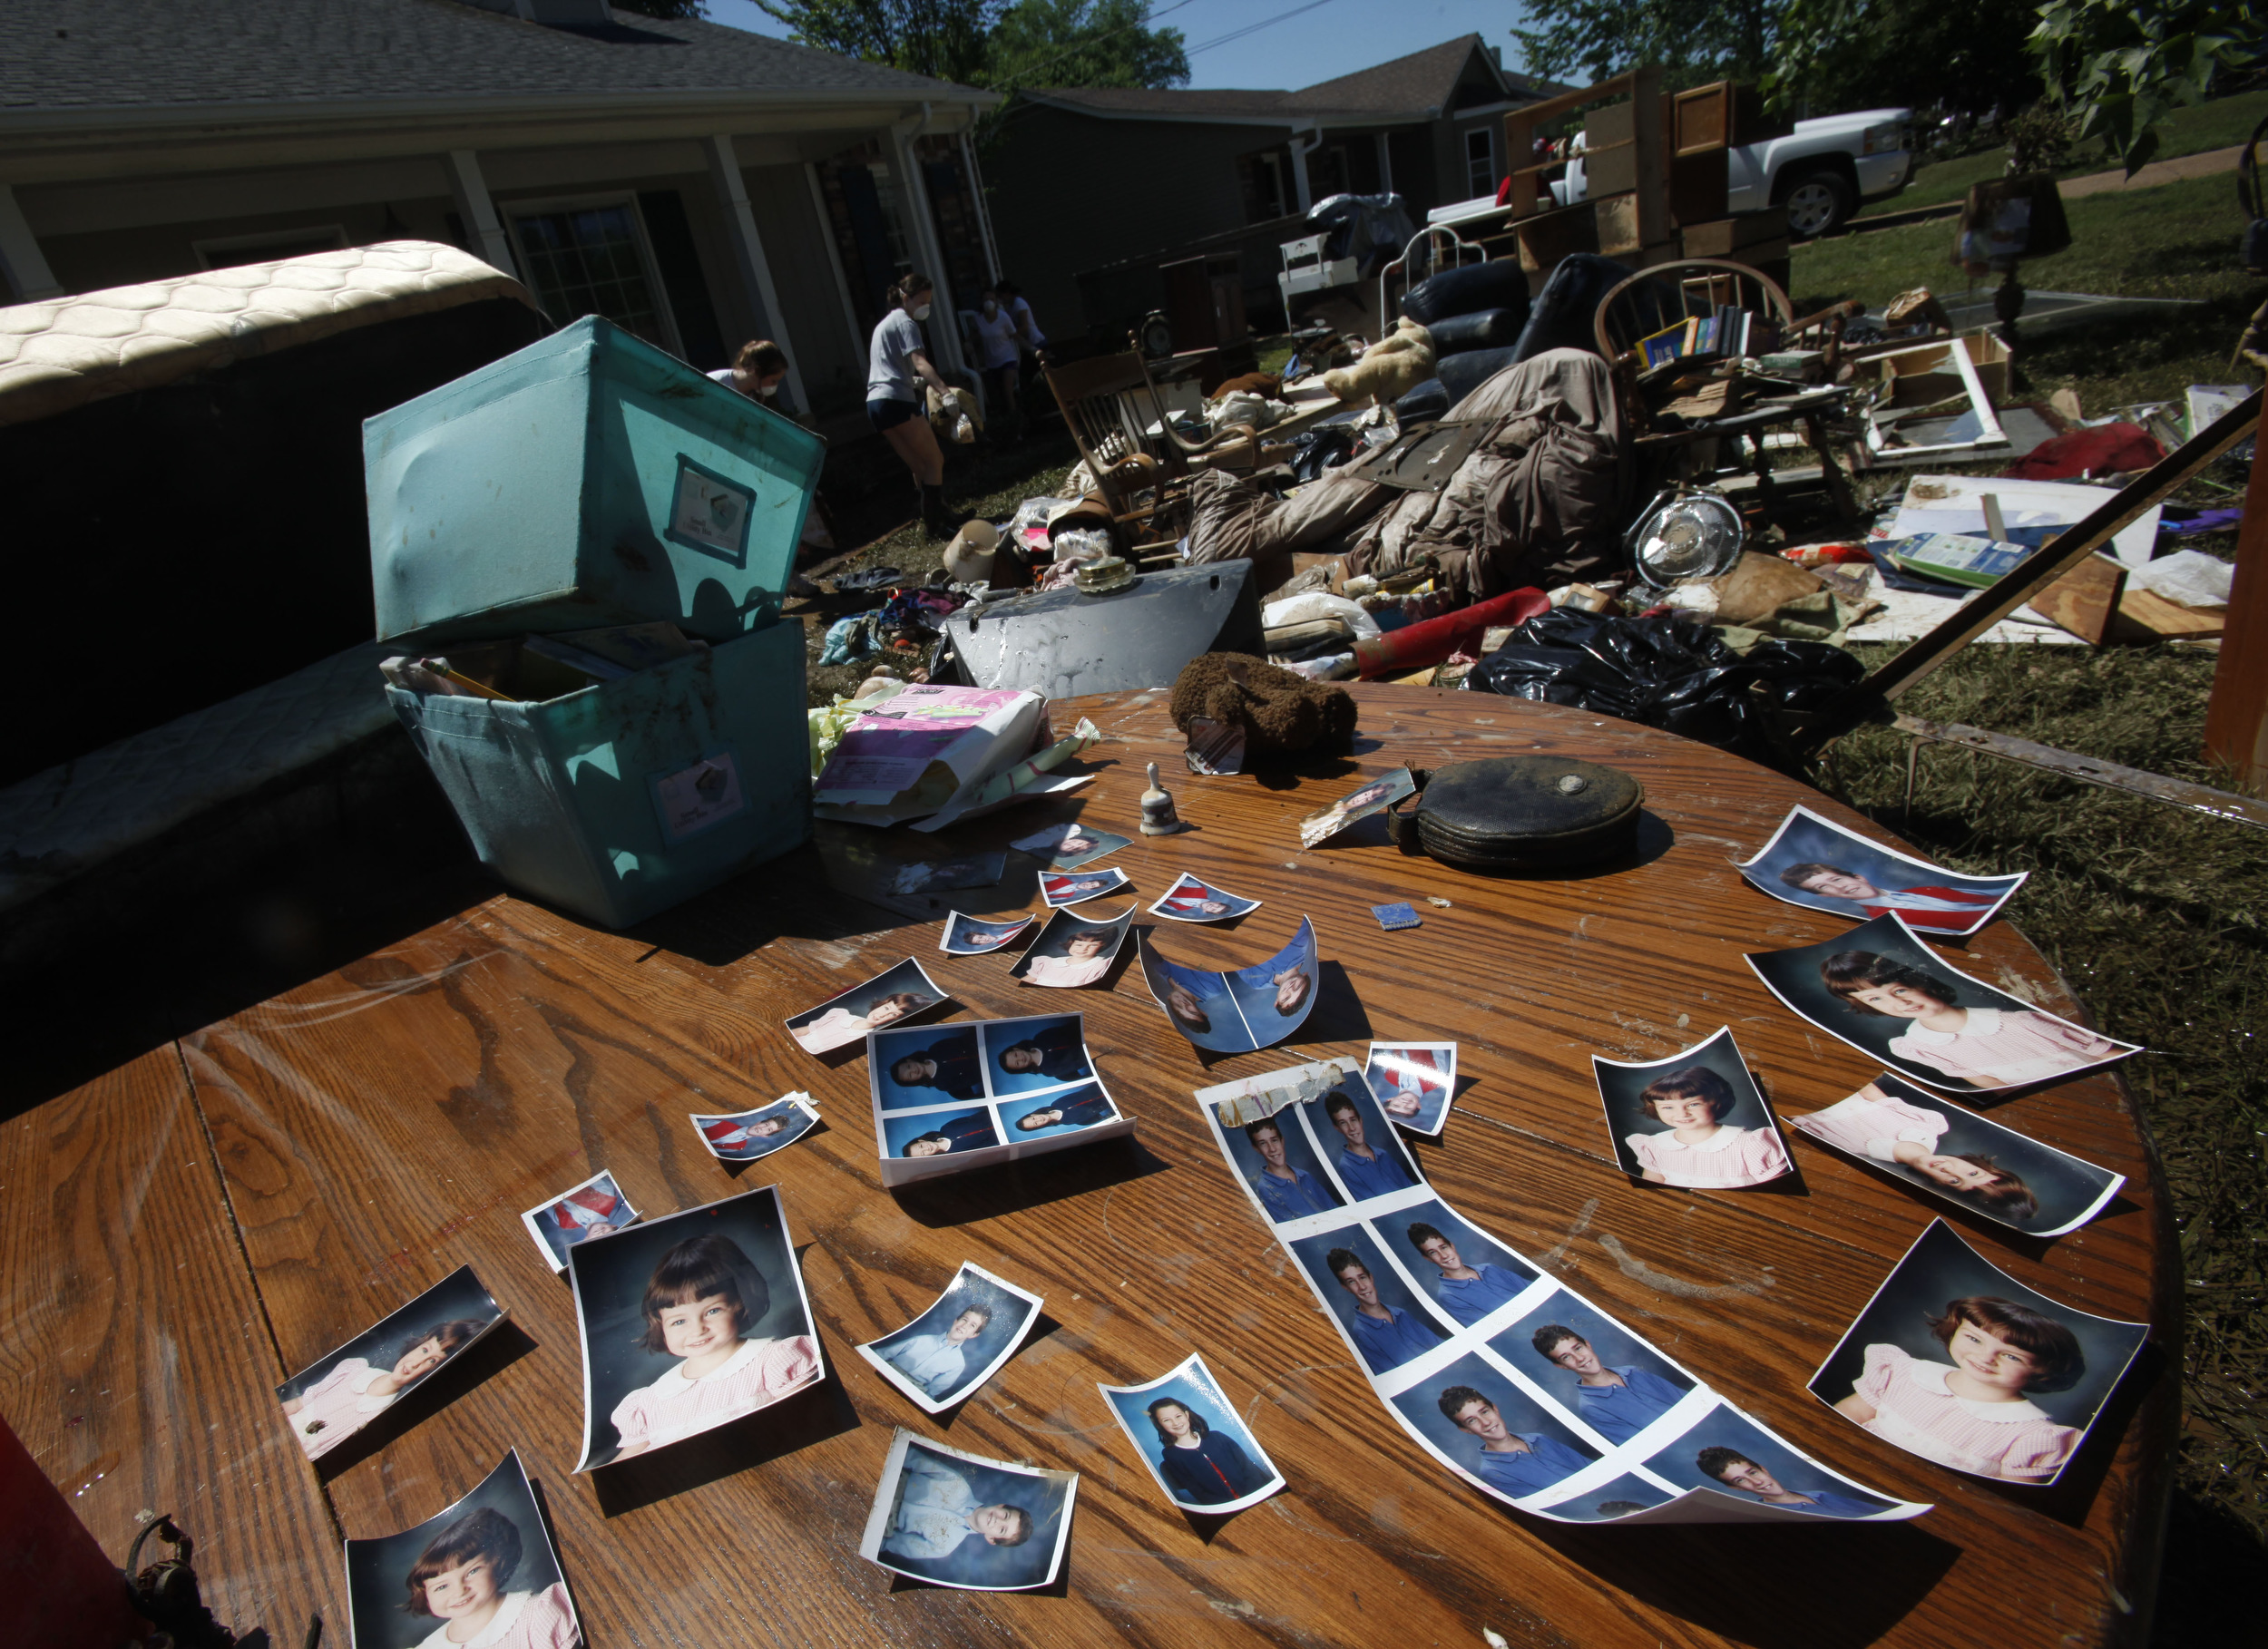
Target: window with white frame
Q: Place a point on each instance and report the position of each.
(1479, 162)
(592, 257)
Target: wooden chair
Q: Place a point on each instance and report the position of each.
(1147, 502)
(1237, 447)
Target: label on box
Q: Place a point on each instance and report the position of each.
(709, 512)
(695, 798)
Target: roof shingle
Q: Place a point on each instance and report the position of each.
(1405, 87)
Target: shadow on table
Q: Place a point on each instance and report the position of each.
(810, 1416)
(2072, 1496)
(495, 1352)
(980, 1194)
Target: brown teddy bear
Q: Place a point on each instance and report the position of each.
(1389, 369)
(1281, 711)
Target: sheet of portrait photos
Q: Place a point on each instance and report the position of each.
(903, 991)
(1414, 1081)
(597, 1207)
(687, 1322)
(953, 1519)
(1522, 1388)
(484, 1570)
(959, 1339)
(1887, 994)
(1197, 1445)
(1239, 1009)
(1813, 862)
(745, 1135)
(1935, 1147)
(1695, 1119)
(351, 1385)
(1957, 1362)
(951, 1097)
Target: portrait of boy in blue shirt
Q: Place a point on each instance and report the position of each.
(1515, 1463)
(1387, 1335)
(1364, 1169)
(1467, 1293)
(1615, 1403)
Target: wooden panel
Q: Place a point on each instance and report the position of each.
(1701, 118)
(2084, 600)
(1731, 237)
(2236, 717)
(137, 1366)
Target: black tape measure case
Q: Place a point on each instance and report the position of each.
(1520, 812)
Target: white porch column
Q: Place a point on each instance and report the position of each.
(21, 261)
(835, 259)
(1386, 165)
(946, 313)
(1300, 144)
(477, 210)
(748, 252)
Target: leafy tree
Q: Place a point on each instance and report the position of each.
(1692, 41)
(1083, 43)
(664, 8)
(1837, 54)
(2122, 66)
(945, 39)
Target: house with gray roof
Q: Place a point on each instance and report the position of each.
(698, 184)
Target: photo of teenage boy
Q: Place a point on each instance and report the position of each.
(1278, 1163)
(1376, 1308)
(1074, 1107)
(1467, 1289)
(961, 1522)
(1485, 1425)
(1728, 1453)
(1370, 1161)
(1029, 1054)
(481, 1574)
(1515, 1463)
(917, 1068)
(341, 1394)
(936, 1134)
(1618, 1394)
(1813, 862)
(1736, 1471)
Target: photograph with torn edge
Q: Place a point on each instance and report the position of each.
(970, 936)
(953, 1519)
(1246, 1099)
(1191, 899)
(1936, 1146)
(920, 1067)
(1073, 950)
(1590, 1365)
(483, 1573)
(1024, 1056)
(1363, 1154)
(1278, 1165)
(1881, 989)
(1057, 889)
(1727, 1453)
(1813, 862)
(896, 993)
(959, 1341)
(1371, 797)
(1068, 846)
(745, 1135)
(1195, 1445)
(1957, 1362)
(1695, 1119)
(1414, 1081)
(1469, 1274)
(1494, 1431)
(1380, 1313)
(338, 1394)
(687, 1322)
(596, 1208)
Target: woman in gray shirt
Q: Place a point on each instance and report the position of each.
(897, 366)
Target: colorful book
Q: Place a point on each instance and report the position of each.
(1957, 557)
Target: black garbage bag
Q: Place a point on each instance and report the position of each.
(1371, 228)
(1313, 451)
(1669, 672)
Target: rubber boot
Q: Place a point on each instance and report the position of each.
(938, 519)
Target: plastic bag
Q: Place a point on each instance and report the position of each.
(1082, 544)
(2189, 577)
(1316, 604)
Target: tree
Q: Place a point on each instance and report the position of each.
(1083, 43)
(664, 8)
(1838, 54)
(944, 39)
(2122, 66)
(1692, 41)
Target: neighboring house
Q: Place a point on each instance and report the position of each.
(700, 185)
(1085, 180)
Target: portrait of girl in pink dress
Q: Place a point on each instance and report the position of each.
(1696, 1148)
(1984, 1048)
(1973, 1411)
(463, 1581)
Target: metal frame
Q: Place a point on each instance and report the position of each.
(2179, 792)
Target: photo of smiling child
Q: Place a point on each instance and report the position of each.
(1610, 1379)
(898, 993)
(745, 1135)
(1076, 887)
(596, 1208)
(1413, 1082)
(1813, 862)
(957, 1519)
(1957, 1362)
(481, 1574)
(1375, 1310)
(1881, 989)
(958, 1342)
(339, 1393)
(1365, 1155)
(1192, 899)
(970, 936)
(687, 1322)
(1200, 1451)
(1493, 1430)
(1072, 951)
(1937, 1147)
(1726, 1453)
(1695, 1119)
(1068, 846)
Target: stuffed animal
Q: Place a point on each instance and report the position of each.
(1280, 710)
(1389, 369)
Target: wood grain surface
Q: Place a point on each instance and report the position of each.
(386, 1123)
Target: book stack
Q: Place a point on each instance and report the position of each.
(1724, 332)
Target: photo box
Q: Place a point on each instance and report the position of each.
(1414, 1081)
(485, 1566)
(1242, 1009)
(1373, 796)
(958, 1342)
(1200, 1451)
(972, 936)
(1072, 950)
(1192, 899)
(896, 993)
(952, 1518)
(1695, 1119)
(745, 1135)
(597, 1207)
(689, 1323)
(1059, 888)
(1068, 846)
(344, 1390)
(1813, 862)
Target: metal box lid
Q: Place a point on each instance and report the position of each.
(1063, 642)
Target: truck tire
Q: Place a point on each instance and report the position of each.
(1819, 202)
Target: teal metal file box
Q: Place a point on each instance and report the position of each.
(589, 479)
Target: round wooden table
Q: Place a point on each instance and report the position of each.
(227, 1210)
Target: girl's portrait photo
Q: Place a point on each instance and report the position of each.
(746, 1136)
(925, 1066)
(1198, 1005)
(1072, 951)
(1076, 887)
(1279, 1164)
(1200, 1451)
(1695, 1119)
(1935, 1146)
(1728, 1454)
(958, 1342)
(687, 1322)
(1413, 1082)
(1066, 1111)
(1815, 863)
(481, 1574)
(968, 936)
(889, 997)
(1024, 1056)
(596, 1208)
(1494, 1431)
(339, 1393)
(957, 1519)
(1277, 997)
(1957, 1362)
(1881, 989)
(1373, 796)
(1068, 846)
(1191, 900)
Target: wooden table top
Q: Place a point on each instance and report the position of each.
(197, 1224)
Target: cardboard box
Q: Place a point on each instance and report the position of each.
(1730, 237)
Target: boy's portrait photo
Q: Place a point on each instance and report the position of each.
(1072, 951)
(1198, 1005)
(1189, 1435)
(922, 1066)
(1192, 899)
(1413, 1082)
(1371, 797)
(969, 936)
(687, 1322)
(1469, 1276)
(1607, 1377)
(1279, 1164)
(745, 1135)
(1813, 862)
(481, 1574)
(1068, 846)
(957, 1519)
(1727, 1452)
(1936, 1147)
(1076, 887)
(895, 994)
(1362, 1151)
(1376, 1309)
(1695, 1119)
(1957, 1362)
(596, 1208)
(1277, 997)
(958, 1342)
(344, 1390)
(1024, 1056)
(1881, 989)
(1492, 1430)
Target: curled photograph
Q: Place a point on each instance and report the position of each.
(350, 1387)
(898, 993)
(1198, 1450)
(1813, 862)
(953, 1519)
(481, 1575)
(1695, 1119)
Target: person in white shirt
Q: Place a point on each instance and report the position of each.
(1001, 362)
(939, 1362)
(897, 368)
(757, 372)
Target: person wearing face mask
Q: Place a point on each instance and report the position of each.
(1003, 354)
(757, 372)
(897, 366)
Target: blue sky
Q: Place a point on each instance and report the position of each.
(1336, 37)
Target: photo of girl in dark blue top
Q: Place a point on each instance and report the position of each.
(1204, 1467)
